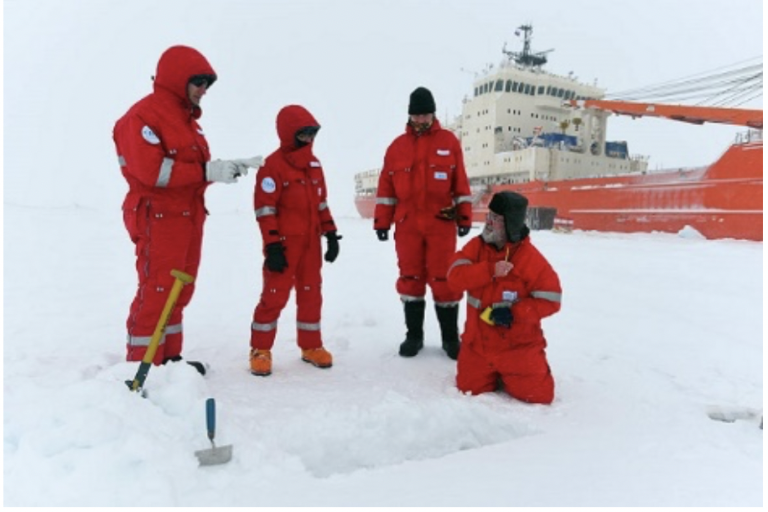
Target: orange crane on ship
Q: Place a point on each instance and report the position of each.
(689, 114)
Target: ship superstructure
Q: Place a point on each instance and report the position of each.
(516, 126)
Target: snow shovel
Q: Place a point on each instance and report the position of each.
(215, 454)
(146, 363)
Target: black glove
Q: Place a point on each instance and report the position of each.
(502, 315)
(333, 246)
(383, 234)
(275, 261)
(463, 230)
(447, 213)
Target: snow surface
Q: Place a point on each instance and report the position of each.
(655, 329)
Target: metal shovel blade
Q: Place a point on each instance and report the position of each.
(214, 455)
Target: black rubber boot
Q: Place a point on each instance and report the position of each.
(414, 322)
(449, 328)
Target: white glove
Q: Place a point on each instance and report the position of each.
(255, 162)
(224, 171)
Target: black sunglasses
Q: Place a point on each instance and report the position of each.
(308, 131)
(201, 80)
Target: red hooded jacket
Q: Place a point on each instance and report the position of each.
(290, 194)
(161, 148)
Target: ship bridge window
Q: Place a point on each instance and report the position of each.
(560, 93)
(509, 86)
(476, 93)
(499, 86)
(541, 90)
(515, 86)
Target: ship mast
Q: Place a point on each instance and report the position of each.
(526, 58)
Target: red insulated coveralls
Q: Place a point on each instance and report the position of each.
(291, 208)
(162, 153)
(422, 174)
(516, 355)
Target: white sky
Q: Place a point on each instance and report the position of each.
(72, 68)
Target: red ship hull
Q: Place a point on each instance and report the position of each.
(724, 200)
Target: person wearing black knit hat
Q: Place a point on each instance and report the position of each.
(423, 190)
(510, 288)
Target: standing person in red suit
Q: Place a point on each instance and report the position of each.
(510, 288)
(291, 206)
(423, 190)
(165, 159)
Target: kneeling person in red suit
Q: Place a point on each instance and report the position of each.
(510, 288)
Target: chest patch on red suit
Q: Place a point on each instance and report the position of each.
(268, 185)
(441, 176)
(149, 135)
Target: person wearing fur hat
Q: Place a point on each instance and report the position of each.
(424, 191)
(510, 288)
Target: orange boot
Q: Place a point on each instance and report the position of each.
(261, 362)
(318, 357)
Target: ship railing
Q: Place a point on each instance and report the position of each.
(748, 137)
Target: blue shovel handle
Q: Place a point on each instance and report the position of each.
(210, 417)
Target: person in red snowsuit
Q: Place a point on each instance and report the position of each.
(510, 287)
(165, 159)
(423, 189)
(291, 207)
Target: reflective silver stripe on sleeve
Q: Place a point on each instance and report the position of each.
(121, 160)
(322, 206)
(504, 303)
(166, 168)
(264, 327)
(462, 261)
(386, 200)
(550, 296)
(473, 301)
(463, 199)
(411, 298)
(306, 326)
(447, 304)
(266, 210)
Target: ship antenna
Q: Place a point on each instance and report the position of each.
(526, 58)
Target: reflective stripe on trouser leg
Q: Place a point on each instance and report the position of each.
(440, 248)
(309, 302)
(274, 297)
(136, 346)
(412, 281)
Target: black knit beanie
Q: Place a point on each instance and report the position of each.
(512, 206)
(421, 102)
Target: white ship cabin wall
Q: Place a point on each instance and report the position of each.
(366, 182)
(515, 104)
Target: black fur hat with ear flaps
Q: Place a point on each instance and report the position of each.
(513, 207)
